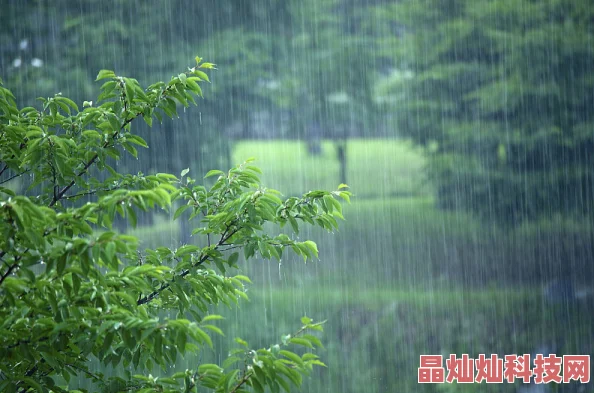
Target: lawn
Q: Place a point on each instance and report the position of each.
(375, 167)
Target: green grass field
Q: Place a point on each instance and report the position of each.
(375, 167)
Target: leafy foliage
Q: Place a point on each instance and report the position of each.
(502, 94)
(73, 289)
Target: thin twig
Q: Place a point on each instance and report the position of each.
(90, 374)
(164, 286)
(89, 163)
(232, 246)
(9, 270)
(245, 378)
(92, 192)
(69, 186)
(14, 176)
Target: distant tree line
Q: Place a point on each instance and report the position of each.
(503, 94)
(500, 92)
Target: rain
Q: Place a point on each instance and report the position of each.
(463, 128)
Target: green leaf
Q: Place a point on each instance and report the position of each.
(114, 122)
(209, 66)
(284, 384)
(345, 195)
(7, 191)
(214, 329)
(313, 339)
(202, 75)
(61, 264)
(312, 247)
(257, 385)
(214, 172)
(132, 216)
(301, 341)
(241, 342)
(68, 102)
(212, 317)
(209, 369)
(136, 140)
(180, 210)
(230, 379)
(103, 74)
(292, 357)
(129, 86)
(34, 384)
(243, 278)
(294, 224)
(233, 259)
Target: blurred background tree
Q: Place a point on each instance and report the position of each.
(503, 94)
(500, 91)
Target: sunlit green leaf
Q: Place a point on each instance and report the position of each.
(103, 74)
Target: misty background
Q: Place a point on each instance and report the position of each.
(465, 128)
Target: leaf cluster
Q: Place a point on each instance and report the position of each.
(74, 289)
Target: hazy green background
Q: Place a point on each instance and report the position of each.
(464, 127)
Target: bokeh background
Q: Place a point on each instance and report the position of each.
(465, 128)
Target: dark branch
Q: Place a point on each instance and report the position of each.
(92, 192)
(21, 147)
(232, 246)
(87, 372)
(63, 191)
(203, 258)
(9, 270)
(89, 163)
(245, 378)
(14, 176)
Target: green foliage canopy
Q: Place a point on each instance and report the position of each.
(502, 93)
(73, 289)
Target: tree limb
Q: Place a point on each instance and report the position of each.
(92, 192)
(9, 270)
(245, 378)
(14, 176)
(203, 258)
(89, 163)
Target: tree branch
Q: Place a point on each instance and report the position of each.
(203, 258)
(87, 372)
(63, 191)
(89, 163)
(14, 176)
(10, 269)
(232, 246)
(92, 192)
(245, 378)
(21, 146)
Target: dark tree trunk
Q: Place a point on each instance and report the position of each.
(341, 147)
